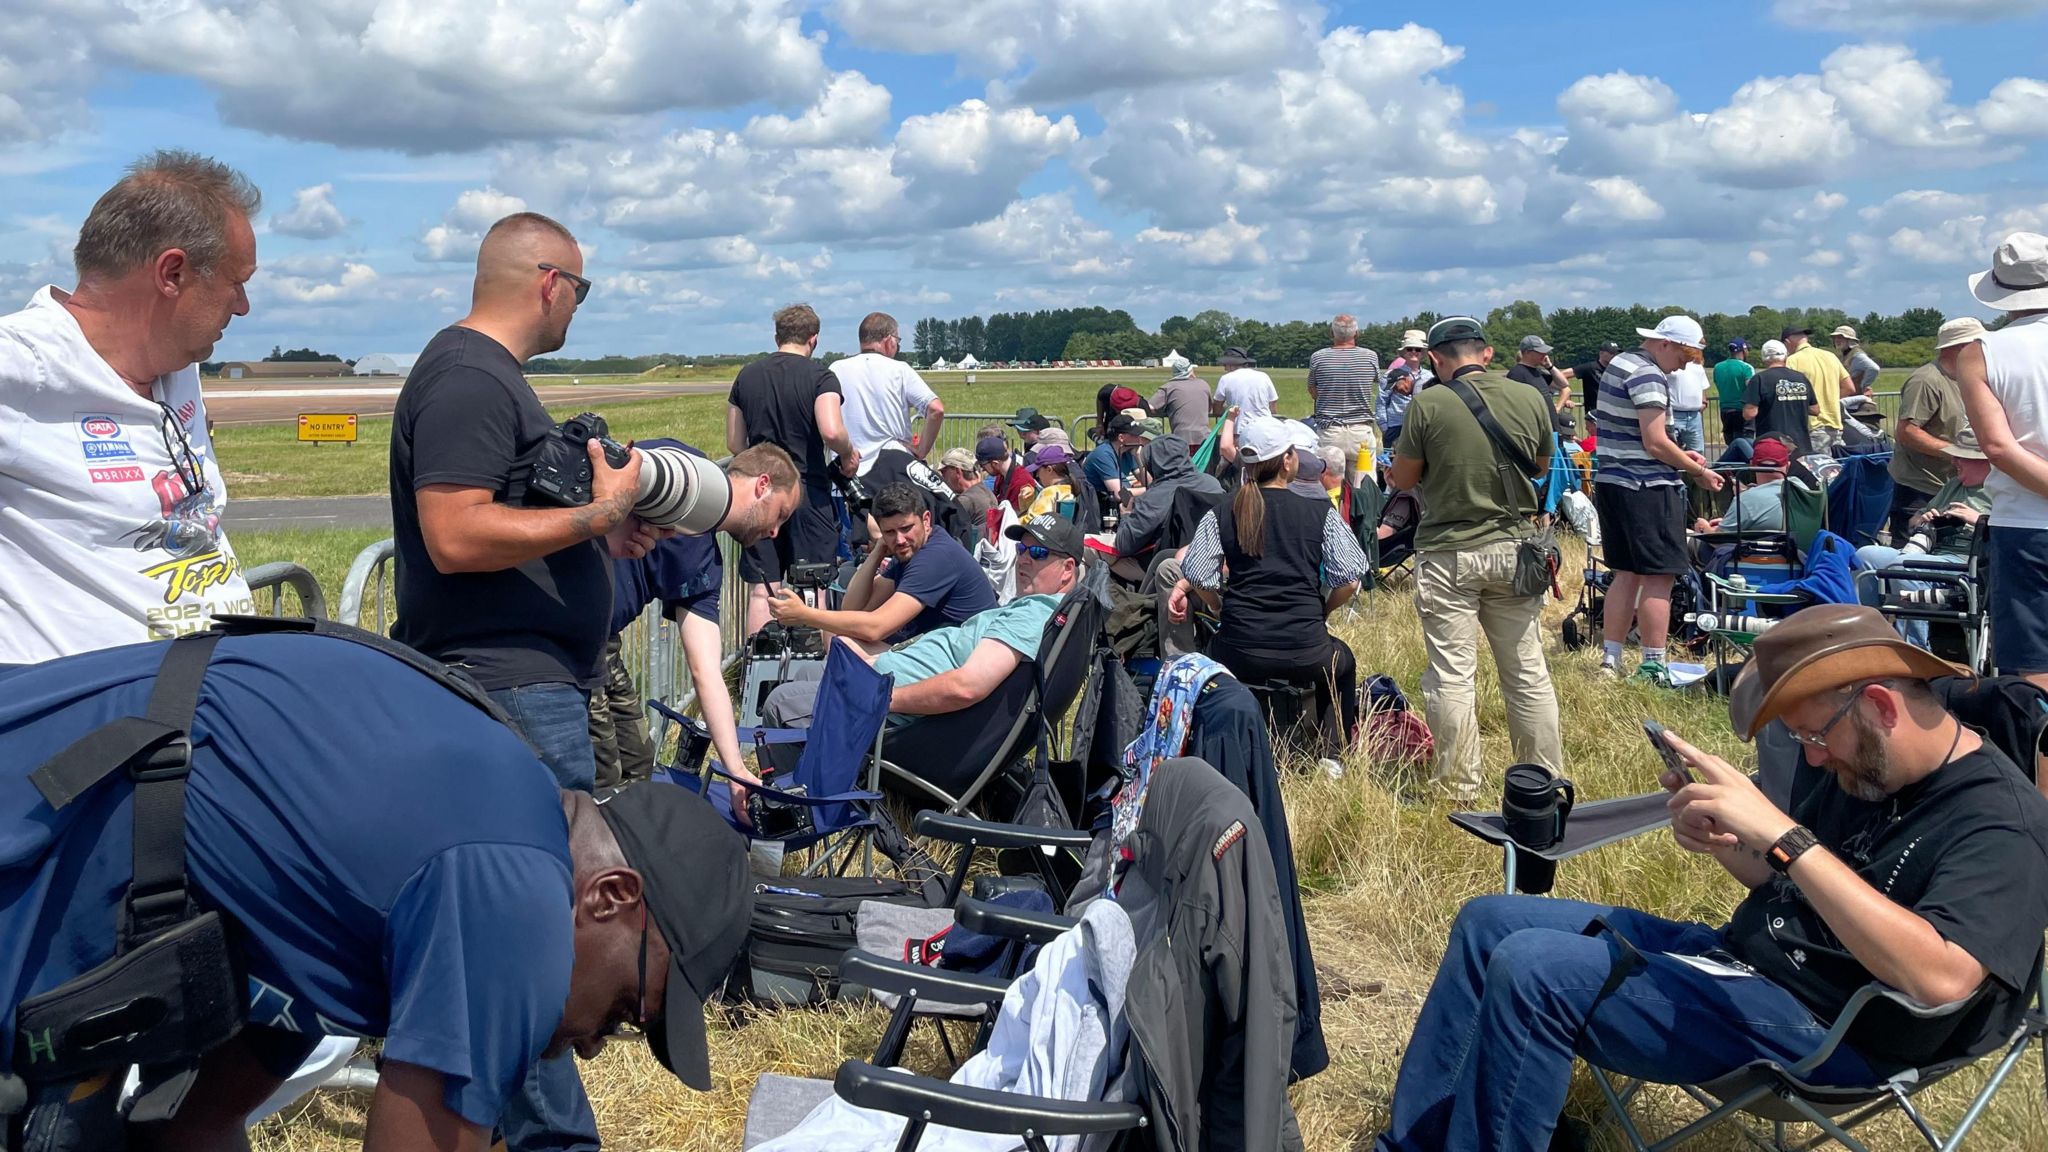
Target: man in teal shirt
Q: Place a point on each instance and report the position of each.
(1731, 376)
(948, 669)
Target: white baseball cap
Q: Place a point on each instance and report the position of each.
(1773, 350)
(1677, 329)
(1301, 436)
(1262, 438)
(1961, 330)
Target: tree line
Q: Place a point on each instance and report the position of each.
(1905, 339)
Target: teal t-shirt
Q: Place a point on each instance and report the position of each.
(1730, 376)
(1019, 624)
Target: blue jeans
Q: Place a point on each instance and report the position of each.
(551, 1111)
(1491, 1058)
(555, 719)
(1878, 556)
(1687, 431)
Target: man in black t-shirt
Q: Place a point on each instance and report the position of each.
(790, 399)
(1918, 859)
(1532, 366)
(1588, 375)
(1780, 399)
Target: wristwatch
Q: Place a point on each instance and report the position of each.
(1791, 846)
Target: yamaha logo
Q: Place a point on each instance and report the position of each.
(99, 427)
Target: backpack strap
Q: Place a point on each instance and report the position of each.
(1492, 428)
(453, 679)
(155, 749)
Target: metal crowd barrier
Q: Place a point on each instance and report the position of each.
(279, 576)
(370, 571)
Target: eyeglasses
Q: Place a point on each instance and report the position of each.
(1820, 739)
(179, 446)
(582, 285)
(1035, 551)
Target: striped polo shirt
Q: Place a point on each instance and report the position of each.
(1346, 383)
(1630, 384)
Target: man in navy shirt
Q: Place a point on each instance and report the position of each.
(396, 863)
(687, 574)
(913, 580)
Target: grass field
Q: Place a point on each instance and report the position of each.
(1380, 882)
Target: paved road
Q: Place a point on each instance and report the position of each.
(312, 512)
(231, 402)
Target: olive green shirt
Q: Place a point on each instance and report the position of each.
(1471, 497)
(1935, 403)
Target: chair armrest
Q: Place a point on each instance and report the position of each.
(919, 981)
(1860, 1000)
(966, 830)
(746, 735)
(800, 798)
(1011, 923)
(977, 1109)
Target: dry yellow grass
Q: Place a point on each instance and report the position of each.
(1382, 883)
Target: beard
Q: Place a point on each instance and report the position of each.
(1865, 776)
(751, 526)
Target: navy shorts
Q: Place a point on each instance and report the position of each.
(1642, 530)
(2019, 600)
(809, 536)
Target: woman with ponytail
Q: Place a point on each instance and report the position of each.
(1276, 564)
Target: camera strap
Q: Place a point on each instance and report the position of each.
(156, 751)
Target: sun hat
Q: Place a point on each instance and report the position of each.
(1414, 338)
(1845, 333)
(1054, 434)
(1678, 330)
(1150, 427)
(1773, 350)
(1965, 446)
(960, 458)
(1820, 649)
(1262, 438)
(1960, 330)
(2018, 277)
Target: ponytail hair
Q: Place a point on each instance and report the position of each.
(1248, 506)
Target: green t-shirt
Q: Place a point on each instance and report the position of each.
(1465, 490)
(1935, 403)
(1730, 376)
(1020, 624)
(1954, 539)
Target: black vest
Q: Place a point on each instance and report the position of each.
(1273, 603)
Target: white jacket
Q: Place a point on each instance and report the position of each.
(1061, 1034)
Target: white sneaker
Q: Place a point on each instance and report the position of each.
(1331, 768)
(1609, 672)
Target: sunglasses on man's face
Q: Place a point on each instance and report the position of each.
(1035, 551)
(582, 285)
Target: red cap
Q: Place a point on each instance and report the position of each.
(1770, 454)
(1122, 398)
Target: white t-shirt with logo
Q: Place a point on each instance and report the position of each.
(102, 539)
(2016, 369)
(1248, 390)
(877, 395)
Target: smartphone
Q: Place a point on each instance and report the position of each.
(1672, 760)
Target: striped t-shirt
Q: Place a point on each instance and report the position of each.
(1346, 383)
(1630, 384)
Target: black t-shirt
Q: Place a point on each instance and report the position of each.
(1781, 396)
(467, 416)
(778, 397)
(1588, 376)
(1540, 380)
(1967, 849)
(1273, 603)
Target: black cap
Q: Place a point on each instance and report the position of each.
(1024, 417)
(694, 878)
(1236, 356)
(1455, 328)
(1609, 346)
(1054, 532)
(1790, 331)
(1036, 423)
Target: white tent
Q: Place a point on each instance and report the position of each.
(968, 363)
(386, 364)
(940, 365)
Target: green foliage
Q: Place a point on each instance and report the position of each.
(1907, 354)
(300, 356)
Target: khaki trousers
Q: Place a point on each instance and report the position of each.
(1350, 439)
(1458, 595)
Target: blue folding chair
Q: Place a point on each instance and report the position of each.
(845, 737)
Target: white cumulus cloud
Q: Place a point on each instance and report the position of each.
(313, 215)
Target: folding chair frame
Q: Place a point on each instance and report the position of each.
(1968, 582)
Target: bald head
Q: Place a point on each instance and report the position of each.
(529, 272)
(592, 847)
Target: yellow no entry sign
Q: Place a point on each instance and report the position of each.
(327, 427)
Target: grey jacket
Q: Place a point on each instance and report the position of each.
(1167, 463)
(1211, 997)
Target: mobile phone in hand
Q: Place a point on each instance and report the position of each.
(1672, 760)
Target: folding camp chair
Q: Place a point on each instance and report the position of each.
(1754, 559)
(1860, 496)
(845, 736)
(1955, 600)
(1393, 556)
(953, 759)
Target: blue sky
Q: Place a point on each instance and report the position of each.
(718, 158)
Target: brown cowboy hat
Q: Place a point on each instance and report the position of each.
(1820, 649)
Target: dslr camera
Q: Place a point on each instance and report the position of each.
(678, 489)
(776, 819)
(1940, 596)
(811, 576)
(1923, 538)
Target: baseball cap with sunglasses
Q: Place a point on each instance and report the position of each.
(582, 285)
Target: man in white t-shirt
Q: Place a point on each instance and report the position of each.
(1244, 387)
(878, 393)
(2004, 379)
(110, 498)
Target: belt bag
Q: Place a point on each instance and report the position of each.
(1537, 558)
